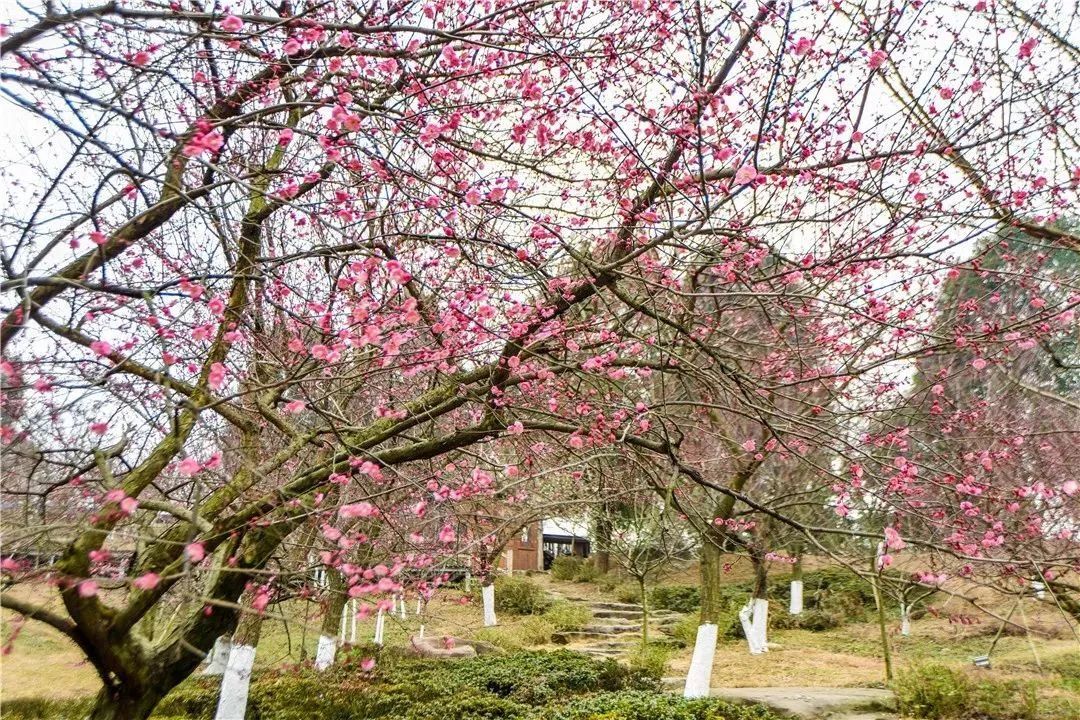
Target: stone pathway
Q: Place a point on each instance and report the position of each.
(817, 703)
(615, 629)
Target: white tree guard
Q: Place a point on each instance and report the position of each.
(760, 625)
(219, 656)
(1039, 588)
(700, 673)
(352, 614)
(905, 620)
(796, 605)
(488, 595)
(232, 703)
(325, 652)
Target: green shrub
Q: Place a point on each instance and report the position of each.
(815, 620)
(518, 595)
(628, 593)
(566, 616)
(566, 567)
(679, 598)
(637, 705)
(649, 663)
(939, 692)
(525, 686)
(932, 691)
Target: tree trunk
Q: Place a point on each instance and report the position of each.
(332, 620)
(644, 611)
(795, 607)
(232, 702)
(760, 605)
(711, 572)
(603, 541)
(699, 675)
(123, 704)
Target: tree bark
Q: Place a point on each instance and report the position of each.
(711, 572)
(126, 703)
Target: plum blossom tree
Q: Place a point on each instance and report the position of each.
(316, 264)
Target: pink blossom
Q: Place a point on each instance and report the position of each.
(149, 581)
(189, 466)
(98, 238)
(877, 59)
(367, 664)
(99, 428)
(893, 541)
(749, 445)
(262, 599)
(1028, 47)
(232, 24)
(101, 348)
(515, 428)
(129, 505)
(216, 305)
(978, 363)
(1070, 487)
(447, 534)
(88, 588)
(292, 47)
(745, 174)
(216, 378)
(360, 509)
(295, 407)
(195, 552)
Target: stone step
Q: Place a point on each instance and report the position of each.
(612, 628)
(625, 614)
(599, 605)
(564, 638)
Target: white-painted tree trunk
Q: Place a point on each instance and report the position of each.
(1039, 588)
(232, 703)
(796, 605)
(351, 605)
(745, 614)
(488, 594)
(699, 675)
(219, 656)
(905, 620)
(404, 613)
(761, 624)
(325, 652)
(380, 621)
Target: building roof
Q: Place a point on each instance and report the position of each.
(565, 527)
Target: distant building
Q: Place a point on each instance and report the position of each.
(541, 541)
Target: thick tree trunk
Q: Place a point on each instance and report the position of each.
(759, 626)
(232, 702)
(699, 675)
(711, 572)
(332, 620)
(125, 704)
